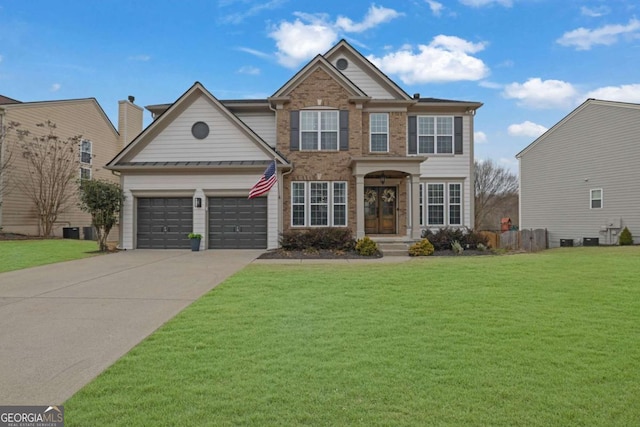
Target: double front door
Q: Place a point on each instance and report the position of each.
(380, 210)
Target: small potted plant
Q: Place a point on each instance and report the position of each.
(195, 241)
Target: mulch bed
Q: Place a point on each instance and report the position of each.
(329, 254)
(13, 236)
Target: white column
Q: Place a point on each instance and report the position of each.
(359, 206)
(415, 207)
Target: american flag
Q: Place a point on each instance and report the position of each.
(265, 182)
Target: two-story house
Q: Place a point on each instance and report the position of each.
(352, 148)
(99, 142)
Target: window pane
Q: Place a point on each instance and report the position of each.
(378, 122)
(85, 157)
(309, 141)
(298, 203)
(426, 126)
(445, 144)
(329, 120)
(319, 192)
(455, 215)
(379, 142)
(339, 215)
(85, 173)
(309, 120)
(329, 141)
(297, 215)
(455, 195)
(297, 191)
(436, 215)
(319, 215)
(445, 126)
(425, 144)
(435, 193)
(340, 192)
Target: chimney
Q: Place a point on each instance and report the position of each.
(129, 120)
(416, 96)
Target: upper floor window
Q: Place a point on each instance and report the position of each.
(435, 135)
(379, 129)
(596, 198)
(319, 130)
(85, 151)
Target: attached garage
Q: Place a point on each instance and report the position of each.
(164, 223)
(237, 223)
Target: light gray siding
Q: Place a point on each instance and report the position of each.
(598, 146)
(225, 141)
(363, 80)
(263, 124)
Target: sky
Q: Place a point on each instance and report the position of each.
(530, 62)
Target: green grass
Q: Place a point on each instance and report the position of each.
(18, 254)
(549, 339)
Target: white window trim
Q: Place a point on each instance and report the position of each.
(88, 169)
(591, 199)
(319, 131)
(90, 152)
(435, 135)
(371, 133)
(424, 193)
(330, 204)
(421, 203)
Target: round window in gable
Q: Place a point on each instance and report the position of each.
(200, 130)
(342, 64)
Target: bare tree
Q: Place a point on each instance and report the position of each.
(493, 186)
(5, 156)
(52, 165)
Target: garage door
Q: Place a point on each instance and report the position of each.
(164, 223)
(237, 223)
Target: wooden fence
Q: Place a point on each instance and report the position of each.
(525, 240)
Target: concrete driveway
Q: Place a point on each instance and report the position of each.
(63, 324)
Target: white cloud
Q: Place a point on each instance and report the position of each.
(55, 87)
(312, 34)
(237, 18)
(490, 85)
(526, 128)
(298, 41)
(445, 59)
(375, 16)
(584, 38)
(595, 12)
(479, 137)
(248, 69)
(537, 93)
(481, 3)
(254, 52)
(436, 8)
(623, 93)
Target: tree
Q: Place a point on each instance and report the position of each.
(495, 187)
(52, 165)
(103, 201)
(5, 156)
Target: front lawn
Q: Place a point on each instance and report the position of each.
(549, 339)
(18, 254)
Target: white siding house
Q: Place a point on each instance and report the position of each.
(580, 179)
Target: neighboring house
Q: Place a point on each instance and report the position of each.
(352, 150)
(580, 178)
(100, 141)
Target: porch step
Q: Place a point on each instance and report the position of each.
(394, 248)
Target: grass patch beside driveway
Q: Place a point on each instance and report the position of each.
(543, 339)
(19, 254)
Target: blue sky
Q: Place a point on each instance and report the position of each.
(529, 61)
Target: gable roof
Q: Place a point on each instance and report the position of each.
(343, 45)
(7, 100)
(94, 101)
(318, 62)
(590, 101)
(170, 114)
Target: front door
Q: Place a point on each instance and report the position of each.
(380, 210)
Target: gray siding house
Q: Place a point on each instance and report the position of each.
(581, 179)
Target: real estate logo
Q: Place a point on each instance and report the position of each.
(31, 416)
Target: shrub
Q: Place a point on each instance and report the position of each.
(625, 237)
(318, 238)
(443, 238)
(367, 247)
(421, 248)
(457, 247)
(481, 247)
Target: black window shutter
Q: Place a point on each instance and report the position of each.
(413, 135)
(294, 124)
(457, 135)
(344, 130)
